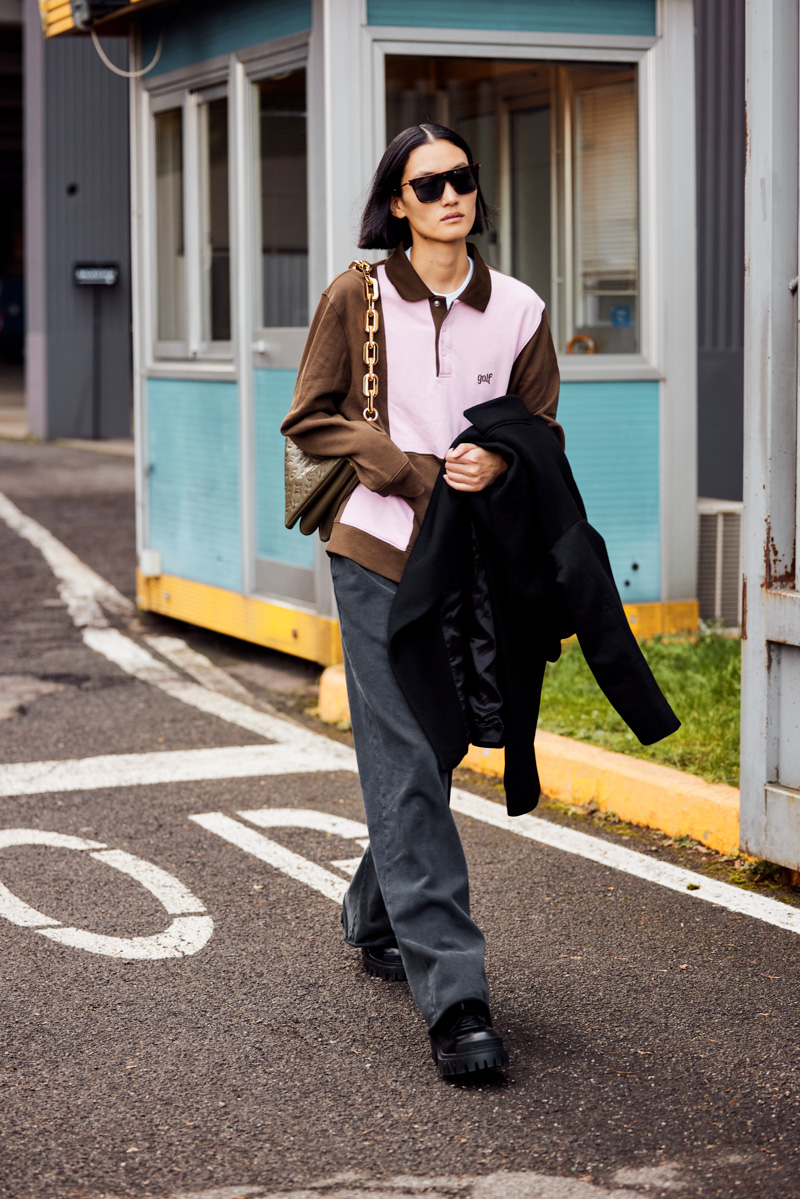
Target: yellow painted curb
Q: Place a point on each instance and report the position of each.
(639, 792)
(332, 706)
(645, 793)
(278, 626)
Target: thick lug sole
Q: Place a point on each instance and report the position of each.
(489, 1057)
(380, 970)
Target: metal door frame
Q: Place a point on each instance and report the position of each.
(770, 741)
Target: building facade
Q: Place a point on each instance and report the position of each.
(254, 135)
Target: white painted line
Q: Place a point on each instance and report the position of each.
(83, 591)
(39, 836)
(676, 878)
(282, 859)
(347, 865)
(185, 935)
(339, 826)
(15, 911)
(201, 668)
(168, 890)
(86, 593)
(169, 766)
(135, 660)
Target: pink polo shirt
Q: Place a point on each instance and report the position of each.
(476, 353)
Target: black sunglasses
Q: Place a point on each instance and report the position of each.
(429, 188)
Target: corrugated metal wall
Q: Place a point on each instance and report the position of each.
(719, 59)
(77, 209)
(88, 219)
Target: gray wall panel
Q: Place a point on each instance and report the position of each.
(719, 73)
(77, 207)
(720, 422)
(35, 285)
(86, 148)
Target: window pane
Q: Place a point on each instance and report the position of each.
(606, 214)
(488, 101)
(557, 144)
(283, 200)
(170, 254)
(216, 259)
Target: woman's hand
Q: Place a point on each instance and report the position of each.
(470, 468)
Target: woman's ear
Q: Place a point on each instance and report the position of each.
(396, 208)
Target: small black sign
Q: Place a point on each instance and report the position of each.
(95, 274)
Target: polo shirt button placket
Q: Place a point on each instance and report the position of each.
(444, 355)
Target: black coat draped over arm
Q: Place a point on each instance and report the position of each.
(496, 579)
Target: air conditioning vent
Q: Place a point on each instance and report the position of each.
(719, 561)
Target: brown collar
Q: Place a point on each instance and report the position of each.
(402, 275)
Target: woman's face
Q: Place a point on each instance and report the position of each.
(447, 220)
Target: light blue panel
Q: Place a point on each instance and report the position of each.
(273, 395)
(621, 17)
(612, 432)
(193, 445)
(207, 28)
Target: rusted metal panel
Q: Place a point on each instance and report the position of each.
(783, 619)
(772, 827)
(770, 745)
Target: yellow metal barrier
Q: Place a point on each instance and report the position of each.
(303, 634)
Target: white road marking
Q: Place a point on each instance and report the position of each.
(185, 935)
(347, 865)
(291, 864)
(169, 766)
(135, 660)
(83, 591)
(168, 890)
(40, 836)
(676, 878)
(86, 594)
(324, 822)
(175, 650)
(338, 826)
(13, 909)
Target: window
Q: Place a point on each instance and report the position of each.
(192, 258)
(170, 252)
(215, 250)
(558, 148)
(283, 201)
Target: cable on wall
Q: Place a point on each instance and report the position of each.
(117, 70)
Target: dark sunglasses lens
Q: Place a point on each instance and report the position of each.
(431, 188)
(465, 180)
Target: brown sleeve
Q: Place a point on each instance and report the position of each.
(535, 378)
(315, 423)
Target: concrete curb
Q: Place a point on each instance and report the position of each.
(639, 792)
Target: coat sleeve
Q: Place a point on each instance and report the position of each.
(589, 595)
(535, 378)
(316, 424)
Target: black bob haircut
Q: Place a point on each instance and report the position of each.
(380, 229)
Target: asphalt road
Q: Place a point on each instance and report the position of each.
(653, 1037)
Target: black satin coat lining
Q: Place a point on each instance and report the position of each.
(467, 620)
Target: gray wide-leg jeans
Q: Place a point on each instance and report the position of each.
(411, 887)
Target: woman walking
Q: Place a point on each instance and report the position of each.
(450, 334)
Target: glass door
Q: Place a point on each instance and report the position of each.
(284, 558)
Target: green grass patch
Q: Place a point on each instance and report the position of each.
(700, 676)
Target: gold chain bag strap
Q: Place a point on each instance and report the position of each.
(316, 487)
